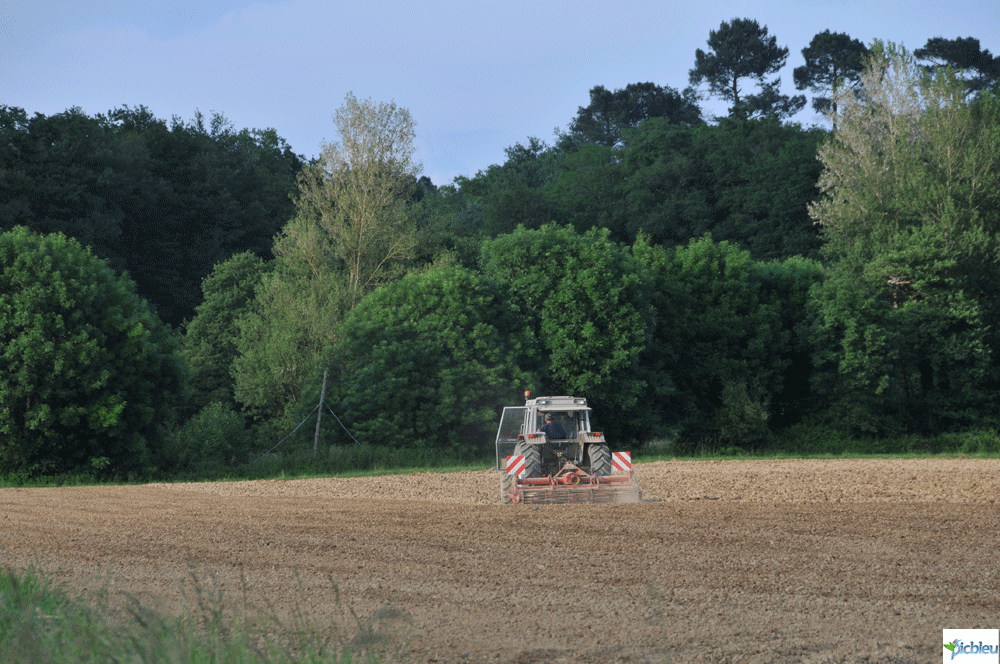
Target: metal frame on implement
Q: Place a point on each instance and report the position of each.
(572, 485)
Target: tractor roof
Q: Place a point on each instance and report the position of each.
(544, 404)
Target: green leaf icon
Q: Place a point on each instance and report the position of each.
(951, 646)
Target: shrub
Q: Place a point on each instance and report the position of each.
(215, 435)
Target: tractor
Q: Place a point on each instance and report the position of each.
(548, 453)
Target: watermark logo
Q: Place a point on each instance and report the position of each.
(971, 646)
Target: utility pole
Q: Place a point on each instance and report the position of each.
(319, 413)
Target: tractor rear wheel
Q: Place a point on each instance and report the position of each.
(532, 459)
(506, 485)
(599, 457)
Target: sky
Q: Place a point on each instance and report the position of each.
(477, 76)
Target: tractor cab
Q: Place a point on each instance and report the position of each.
(571, 414)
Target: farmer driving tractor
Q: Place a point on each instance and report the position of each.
(552, 429)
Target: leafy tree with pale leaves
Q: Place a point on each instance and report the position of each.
(355, 196)
(909, 212)
(297, 309)
(351, 235)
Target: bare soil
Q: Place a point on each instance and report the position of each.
(733, 561)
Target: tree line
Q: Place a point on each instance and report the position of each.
(172, 293)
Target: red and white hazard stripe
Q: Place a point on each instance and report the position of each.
(515, 464)
(622, 461)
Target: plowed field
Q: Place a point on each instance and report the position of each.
(755, 561)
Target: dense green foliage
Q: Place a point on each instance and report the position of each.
(610, 113)
(705, 284)
(165, 202)
(87, 372)
(728, 337)
(744, 182)
(209, 345)
(748, 182)
(584, 301)
(425, 360)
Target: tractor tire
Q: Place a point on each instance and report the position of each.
(532, 459)
(506, 485)
(599, 457)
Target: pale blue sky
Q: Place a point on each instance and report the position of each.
(477, 76)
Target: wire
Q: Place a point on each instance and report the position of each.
(342, 424)
(293, 431)
(304, 421)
